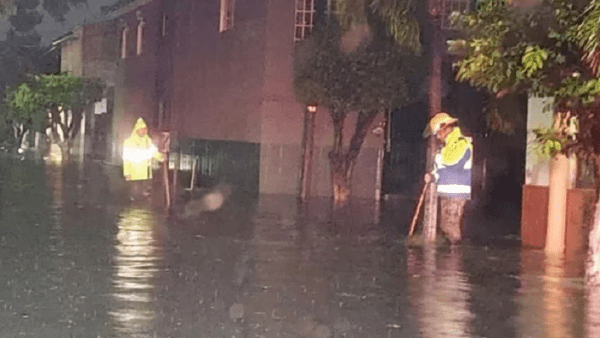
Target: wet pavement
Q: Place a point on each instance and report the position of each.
(79, 259)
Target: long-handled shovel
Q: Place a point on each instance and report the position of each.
(418, 211)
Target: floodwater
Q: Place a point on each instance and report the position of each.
(78, 259)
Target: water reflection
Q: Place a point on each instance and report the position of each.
(593, 289)
(593, 311)
(55, 185)
(550, 294)
(439, 292)
(55, 177)
(279, 274)
(292, 290)
(313, 278)
(138, 258)
(555, 299)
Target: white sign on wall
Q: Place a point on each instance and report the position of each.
(100, 107)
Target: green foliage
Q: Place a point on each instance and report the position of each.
(587, 35)
(533, 59)
(549, 142)
(21, 51)
(25, 105)
(31, 100)
(548, 50)
(66, 94)
(23, 110)
(69, 92)
(29, 104)
(317, 64)
(399, 16)
(351, 13)
(586, 91)
(524, 51)
(374, 77)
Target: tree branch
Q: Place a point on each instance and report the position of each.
(363, 123)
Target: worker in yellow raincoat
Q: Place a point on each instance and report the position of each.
(138, 153)
(452, 173)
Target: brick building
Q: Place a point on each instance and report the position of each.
(218, 75)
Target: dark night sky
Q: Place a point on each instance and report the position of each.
(50, 29)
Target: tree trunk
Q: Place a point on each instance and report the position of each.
(19, 134)
(341, 177)
(342, 163)
(65, 150)
(340, 187)
(435, 106)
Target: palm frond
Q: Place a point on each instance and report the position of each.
(352, 13)
(588, 36)
(399, 16)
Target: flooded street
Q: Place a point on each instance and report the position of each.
(78, 259)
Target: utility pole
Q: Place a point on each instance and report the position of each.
(307, 151)
(435, 106)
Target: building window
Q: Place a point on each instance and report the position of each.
(124, 33)
(163, 29)
(227, 14)
(449, 7)
(141, 28)
(305, 15)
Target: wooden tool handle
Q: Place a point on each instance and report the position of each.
(418, 211)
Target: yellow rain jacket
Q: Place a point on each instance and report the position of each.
(138, 152)
(453, 166)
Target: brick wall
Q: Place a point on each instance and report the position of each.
(234, 85)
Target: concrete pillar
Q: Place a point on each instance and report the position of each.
(557, 205)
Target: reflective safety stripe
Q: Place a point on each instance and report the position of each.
(137, 155)
(454, 189)
(438, 160)
(469, 164)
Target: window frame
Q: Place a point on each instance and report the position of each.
(124, 33)
(304, 19)
(141, 30)
(163, 29)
